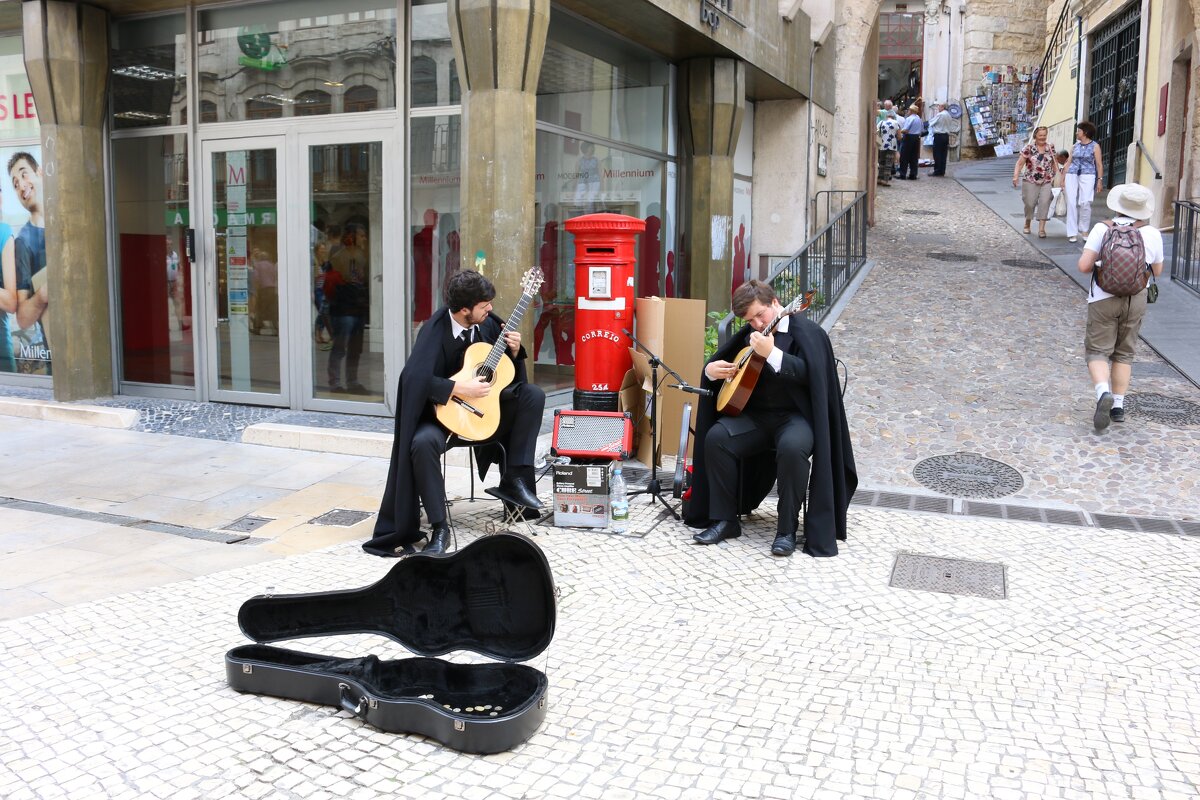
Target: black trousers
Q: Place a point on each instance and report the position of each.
(910, 154)
(730, 440)
(941, 145)
(521, 407)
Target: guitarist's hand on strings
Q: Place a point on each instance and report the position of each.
(513, 340)
(763, 345)
(720, 370)
(473, 389)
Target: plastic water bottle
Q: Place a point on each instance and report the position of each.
(619, 502)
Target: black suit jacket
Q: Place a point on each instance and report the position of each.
(425, 380)
(834, 477)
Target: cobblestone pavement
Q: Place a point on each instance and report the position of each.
(952, 351)
(677, 671)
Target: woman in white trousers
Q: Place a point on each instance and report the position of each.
(1085, 177)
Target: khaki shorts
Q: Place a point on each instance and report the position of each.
(1112, 327)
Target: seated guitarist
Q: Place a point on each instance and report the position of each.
(796, 411)
(416, 470)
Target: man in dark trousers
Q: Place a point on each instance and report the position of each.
(795, 411)
(419, 442)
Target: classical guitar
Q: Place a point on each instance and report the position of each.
(477, 419)
(735, 393)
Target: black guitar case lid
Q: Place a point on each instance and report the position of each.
(495, 597)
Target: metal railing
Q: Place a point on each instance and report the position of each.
(1185, 252)
(1146, 154)
(1057, 39)
(827, 263)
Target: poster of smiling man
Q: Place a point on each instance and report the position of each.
(24, 296)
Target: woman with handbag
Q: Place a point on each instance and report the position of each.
(1038, 165)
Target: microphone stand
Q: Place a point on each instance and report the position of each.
(654, 487)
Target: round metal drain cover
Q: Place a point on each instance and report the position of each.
(921, 212)
(968, 475)
(952, 257)
(1173, 411)
(1026, 263)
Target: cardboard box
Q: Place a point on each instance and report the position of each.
(581, 496)
(672, 328)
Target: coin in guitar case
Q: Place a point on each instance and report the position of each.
(492, 714)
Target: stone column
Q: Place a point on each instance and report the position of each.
(712, 94)
(66, 58)
(499, 47)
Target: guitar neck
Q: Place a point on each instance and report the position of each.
(514, 321)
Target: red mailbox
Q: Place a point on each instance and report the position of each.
(605, 257)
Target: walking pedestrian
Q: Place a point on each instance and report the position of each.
(1114, 319)
(1085, 178)
(1035, 171)
(910, 145)
(939, 126)
(889, 142)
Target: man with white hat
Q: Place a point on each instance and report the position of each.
(1115, 314)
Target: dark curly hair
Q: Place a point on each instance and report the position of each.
(1089, 130)
(749, 292)
(467, 289)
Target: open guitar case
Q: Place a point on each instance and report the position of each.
(495, 597)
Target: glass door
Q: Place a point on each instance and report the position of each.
(244, 223)
(344, 212)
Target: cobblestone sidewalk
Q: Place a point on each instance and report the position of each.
(677, 671)
(965, 339)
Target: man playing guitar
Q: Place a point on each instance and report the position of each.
(796, 411)
(419, 442)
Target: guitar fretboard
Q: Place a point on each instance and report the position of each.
(514, 320)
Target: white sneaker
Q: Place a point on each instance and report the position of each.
(1072, 239)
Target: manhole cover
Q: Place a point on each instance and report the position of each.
(340, 517)
(1163, 409)
(921, 212)
(950, 575)
(247, 524)
(1026, 263)
(952, 257)
(968, 475)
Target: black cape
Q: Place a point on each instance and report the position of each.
(833, 478)
(425, 380)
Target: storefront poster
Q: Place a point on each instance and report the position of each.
(25, 318)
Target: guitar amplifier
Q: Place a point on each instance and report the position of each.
(592, 434)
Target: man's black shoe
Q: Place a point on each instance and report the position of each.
(513, 491)
(1100, 419)
(722, 529)
(1117, 414)
(784, 544)
(439, 539)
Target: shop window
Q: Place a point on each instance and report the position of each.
(433, 76)
(284, 43)
(583, 177)
(155, 277)
(434, 227)
(603, 86)
(360, 98)
(148, 72)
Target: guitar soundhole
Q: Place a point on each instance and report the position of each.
(488, 375)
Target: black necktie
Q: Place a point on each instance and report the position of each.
(465, 336)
